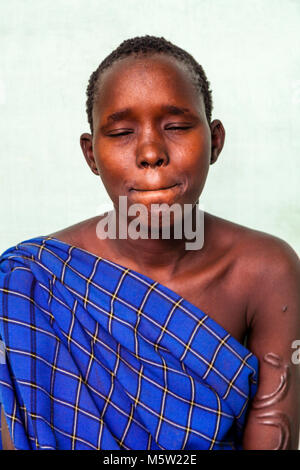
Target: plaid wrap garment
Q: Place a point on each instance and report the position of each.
(98, 356)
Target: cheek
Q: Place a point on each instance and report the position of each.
(110, 162)
(194, 161)
(196, 146)
(194, 155)
(113, 170)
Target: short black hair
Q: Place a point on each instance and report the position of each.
(147, 45)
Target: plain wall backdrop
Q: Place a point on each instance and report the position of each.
(49, 48)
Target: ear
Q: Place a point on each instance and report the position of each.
(86, 143)
(217, 139)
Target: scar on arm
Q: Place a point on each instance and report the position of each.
(276, 418)
(281, 421)
(283, 387)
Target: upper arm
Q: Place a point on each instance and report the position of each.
(5, 436)
(273, 417)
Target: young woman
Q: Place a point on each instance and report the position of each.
(132, 342)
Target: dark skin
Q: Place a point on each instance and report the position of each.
(247, 281)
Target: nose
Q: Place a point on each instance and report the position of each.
(152, 154)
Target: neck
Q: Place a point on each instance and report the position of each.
(156, 255)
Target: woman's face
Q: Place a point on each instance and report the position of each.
(151, 138)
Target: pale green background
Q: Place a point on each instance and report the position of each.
(250, 52)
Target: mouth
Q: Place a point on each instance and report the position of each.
(154, 189)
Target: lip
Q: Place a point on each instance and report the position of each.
(154, 189)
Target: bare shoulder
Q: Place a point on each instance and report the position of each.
(265, 267)
(269, 258)
(78, 234)
(256, 252)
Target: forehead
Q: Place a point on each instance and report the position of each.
(148, 81)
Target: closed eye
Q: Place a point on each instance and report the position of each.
(174, 128)
(120, 134)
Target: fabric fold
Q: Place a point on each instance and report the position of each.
(99, 356)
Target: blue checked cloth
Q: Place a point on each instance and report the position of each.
(98, 356)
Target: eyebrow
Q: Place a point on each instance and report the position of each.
(126, 112)
(119, 115)
(171, 109)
